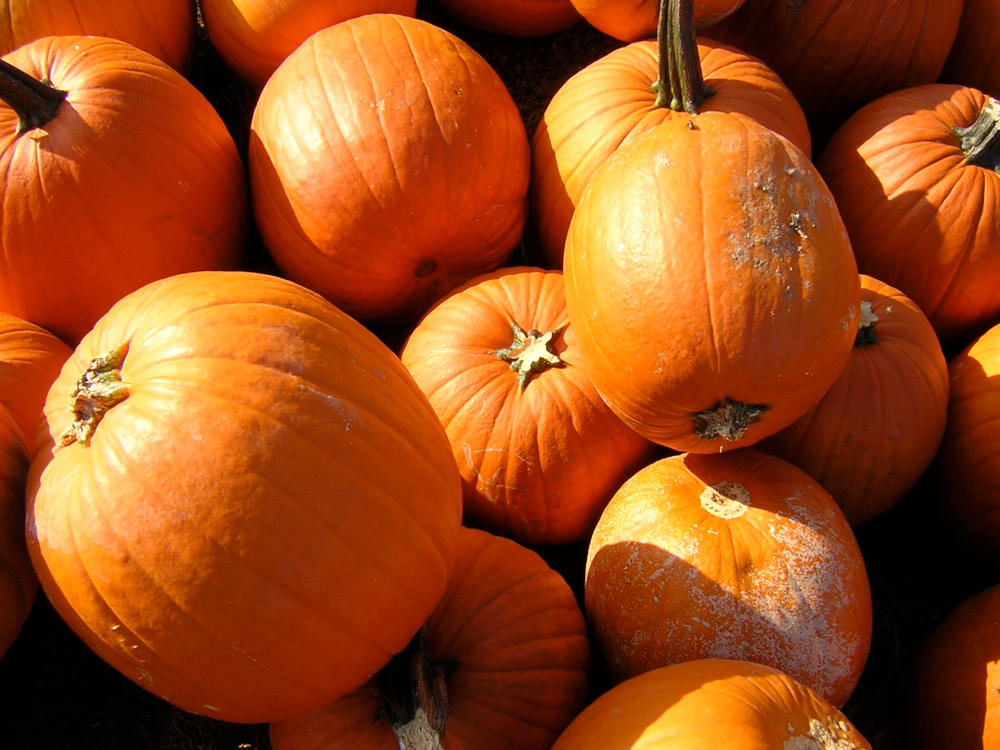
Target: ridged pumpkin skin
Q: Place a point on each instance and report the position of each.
(388, 164)
(974, 55)
(18, 582)
(612, 101)
(875, 432)
(524, 18)
(539, 452)
(263, 517)
(954, 696)
(632, 20)
(736, 555)
(30, 360)
(711, 283)
(135, 178)
(164, 28)
(511, 640)
(711, 703)
(255, 36)
(920, 215)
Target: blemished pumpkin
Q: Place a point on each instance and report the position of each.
(619, 96)
(539, 452)
(711, 703)
(973, 57)
(117, 171)
(875, 432)
(738, 555)
(914, 176)
(388, 164)
(954, 689)
(523, 18)
(164, 28)
(253, 37)
(18, 582)
(245, 504)
(501, 664)
(633, 20)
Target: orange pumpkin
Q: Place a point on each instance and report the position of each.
(388, 164)
(736, 555)
(711, 703)
(972, 60)
(914, 177)
(875, 432)
(525, 18)
(632, 20)
(18, 582)
(254, 36)
(500, 664)
(117, 171)
(245, 503)
(539, 452)
(164, 28)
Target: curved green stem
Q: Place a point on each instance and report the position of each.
(34, 101)
(680, 65)
(981, 139)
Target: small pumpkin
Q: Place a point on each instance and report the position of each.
(735, 555)
(539, 451)
(523, 18)
(632, 20)
(244, 503)
(501, 663)
(18, 582)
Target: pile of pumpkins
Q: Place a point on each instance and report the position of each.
(731, 297)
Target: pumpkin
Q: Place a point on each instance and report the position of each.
(501, 663)
(954, 688)
(18, 582)
(735, 555)
(972, 60)
(617, 97)
(539, 451)
(632, 20)
(387, 122)
(914, 177)
(30, 359)
(875, 432)
(245, 504)
(164, 28)
(117, 172)
(715, 703)
(253, 37)
(524, 18)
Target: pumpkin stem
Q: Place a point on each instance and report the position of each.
(98, 389)
(866, 326)
(34, 101)
(981, 140)
(530, 352)
(728, 419)
(680, 66)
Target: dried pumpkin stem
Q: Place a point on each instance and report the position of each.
(980, 141)
(99, 388)
(34, 101)
(530, 352)
(680, 65)
(866, 326)
(728, 419)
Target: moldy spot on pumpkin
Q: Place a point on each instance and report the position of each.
(726, 500)
(820, 736)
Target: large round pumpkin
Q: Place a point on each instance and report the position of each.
(388, 164)
(539, 451)
(18, 582)
(117, 171)
(736, 555)
(500, 664)
(245, 504)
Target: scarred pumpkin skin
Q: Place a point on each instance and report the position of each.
(539, 451)
(266, 508)
(18, 582)
(387, 122)
(613, 100)
(733, 555)
(164, 28)
(632, 20)
(875, 432)
(711, 283)
(923, 214)
(523, 18)
(255, 36)
(134, 178)
(509, 642)
(708, 703)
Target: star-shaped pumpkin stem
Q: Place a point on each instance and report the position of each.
(530, 352)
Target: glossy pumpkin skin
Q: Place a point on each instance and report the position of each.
(272, 485)
(164, 28)
(711, 283)
(515, 642)
(523, 18)
(18, 582)
(920, 216)
(875, 432)
(538, 460)
(426, 144)
(255, 36)
(734, 555)
(706, 703)
(973, 57)
(960, 653)
(632, 20)
(136, 168)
